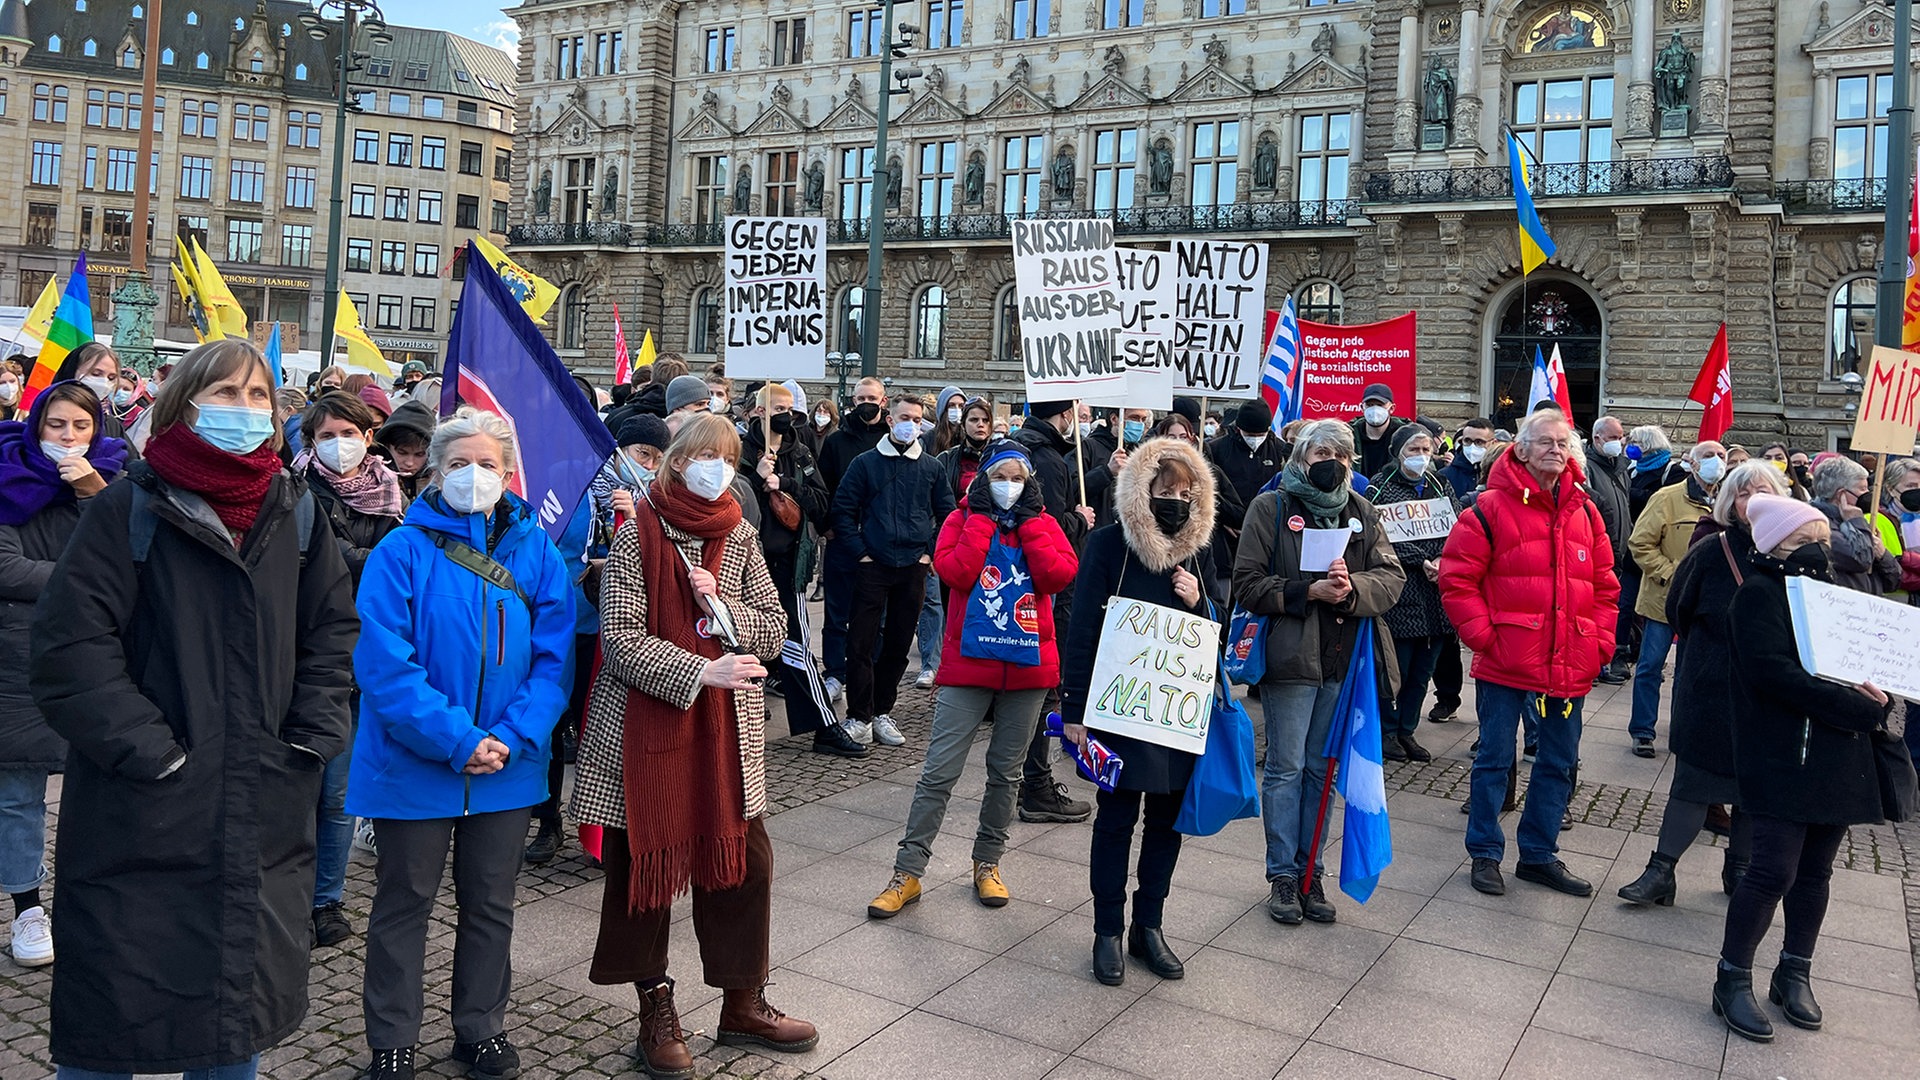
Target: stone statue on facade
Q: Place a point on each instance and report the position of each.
(975, 187)
(1323, 41)
(1063, 173)
(742, 189)
(543, 192)
(1436, 97)
(1266, 162)
(1672, 73)
(1160, 168)
(610, 193)
(815, 185)
(893, 183)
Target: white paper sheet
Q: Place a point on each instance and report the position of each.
(1319, 547)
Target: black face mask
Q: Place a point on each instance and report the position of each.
(1910, 500)
(1811, 560)
(782, 423)
(1171, 514)
(866, 412)
(1327, 475)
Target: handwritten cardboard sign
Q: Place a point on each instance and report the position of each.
(1154, 675)
(1220, 316)
(1852, 637)
(1064, 269)
(1889, 403)
(776, 298)
(1145, 338)
(1430, 519)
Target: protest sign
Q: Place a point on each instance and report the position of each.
(1154, 674)
(1342, 361)
(1220, 316)
(1889, 403)
(1069, 308)
(776, 298)
(1319, 547)
(1430, 519)
(1851, 637)
(1145, 338)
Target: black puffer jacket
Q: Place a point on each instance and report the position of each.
(799, 478)
(1699, 607)
(1418, 612)
(1052, 455)
(891, 504)
(28, 553)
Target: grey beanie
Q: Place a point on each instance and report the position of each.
(685, 390)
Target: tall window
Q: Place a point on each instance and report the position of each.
(191, 227)
(782, 190)
(200, 119)
(1565, 121)
(938, 161)
(573, 318)
(243, 240)
(720, 43)
(43, 221)
(303, 129)
(789, 41)
(1032, 19)
(49, 103)
(1021, 161)
(426, 260)
(1326, 141)
(359, 254)
(400, 150)
(426, 207)
(706, 320)
(1860, 104)
(470, 159)
(711, 189)
(1216, 162)
(366, 147)
(433, 152)
(250, 123)
(1124, 13)
(608, 50)
(246, 181)
(499, 223)
(930, 324)
(394, 207)
(1321, 302)
(851, 317)
(579, 188)
(865, 29)
(121, 165)
(296, 245)
(466, 212)
(1115, 152)
(393, 257)
(856, 182)
(301, 181)
(1850, 325)
(420, 313)
(503, 165)
(386, 313)
(945, 20)
(360, 200)
(568, 55)
(116, 229)
(1006, 326)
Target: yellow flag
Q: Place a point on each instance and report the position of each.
(219, 300)
(361, 351)
(40, 319)
(196, 312)
(535, 293)
(647, 352)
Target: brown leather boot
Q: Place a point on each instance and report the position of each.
(745, 1017)
(663, 1046)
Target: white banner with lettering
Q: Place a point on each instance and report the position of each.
(1154, 675)
(1852, 638)
(776, 298)
(1429, 519)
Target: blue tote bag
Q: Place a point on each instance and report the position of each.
(1223, 788)
(1002, 619)
(1246, 658)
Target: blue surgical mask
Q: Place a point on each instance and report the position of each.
(1134, 431)
(1634, 453)
(233, 428)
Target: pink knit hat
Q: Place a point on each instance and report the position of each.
(1775, 517)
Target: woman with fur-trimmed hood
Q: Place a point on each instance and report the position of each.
(1157, 552)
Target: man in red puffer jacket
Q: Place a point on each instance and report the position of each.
(1527, 578)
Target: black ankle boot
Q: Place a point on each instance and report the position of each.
(1733, 1002)
(1731, 871)
(1149, 946)
(1792, 990)
(1109, 962)
(1654, 885)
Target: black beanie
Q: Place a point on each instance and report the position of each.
(1406, 432)
(1189, 408)
(1254, 417)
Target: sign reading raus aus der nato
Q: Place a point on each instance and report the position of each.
(1154, 675)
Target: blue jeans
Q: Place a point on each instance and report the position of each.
(933, 620)
(333, 840)
(839, 576)
(1551, 783)
(239, 1070)
(1298, 717)
(1655, 642)
(23, 829)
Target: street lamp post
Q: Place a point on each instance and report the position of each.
(1890, 311)
(349, 16)
(876, 199)
(134, 303)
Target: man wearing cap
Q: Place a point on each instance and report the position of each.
(1373, 431)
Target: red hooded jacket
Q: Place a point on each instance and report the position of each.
(960, 556)
(1528, 581)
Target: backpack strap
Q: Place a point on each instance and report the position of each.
(481, 564)
(142, 521)
(1485, 525)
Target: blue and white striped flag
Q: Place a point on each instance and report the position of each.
(1280, 380)
(1366, 840)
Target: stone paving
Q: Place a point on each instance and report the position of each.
(1428, 979)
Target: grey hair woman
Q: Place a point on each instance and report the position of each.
(1841, 490)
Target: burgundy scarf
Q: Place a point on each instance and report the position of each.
(684, 820)
(233, 484)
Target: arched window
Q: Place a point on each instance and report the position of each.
(852, 319)
(90, 47)
(300, 72)
(1321, 302)
(53, 42)
(139, 11)
(1565, 116)
(166, 57)
(1850, 324)
(573, 318)
(930, 324)
(201, 60)
(81, 5)
(1548, 314)
(1006, 325)
(706, 320)
(239, 23)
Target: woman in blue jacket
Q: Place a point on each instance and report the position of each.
(462, 677)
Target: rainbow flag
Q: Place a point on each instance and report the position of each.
(1536, 246)
(71, 328)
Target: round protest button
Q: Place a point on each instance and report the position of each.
(1297, 523)
(1354, 524)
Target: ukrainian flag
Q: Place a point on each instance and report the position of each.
(1536, 246)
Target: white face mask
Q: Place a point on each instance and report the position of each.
(1212, 429)
(1254, 441)
(708, 479)
(342, 455)
(1006, 492)
(1086, 428)
(1376, 414)
(471, 489)
(58, 453)
(906, 431)
(1474, 454)
(99, 384)
(9, 392)
(1612, 448)
(1710, 470)
(822, 419)
(716, 403)
(1417, 465)
(953, 414)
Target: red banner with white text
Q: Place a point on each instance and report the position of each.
(1342, 361)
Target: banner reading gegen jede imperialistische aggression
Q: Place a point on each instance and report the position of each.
(1342, 361)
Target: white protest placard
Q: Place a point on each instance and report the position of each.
(1889, 403)
(1220, 317)
(1145, 338)
(1154, 675)
(1417, 519)
(776, 298)
(1069, 308)
(1851, 637)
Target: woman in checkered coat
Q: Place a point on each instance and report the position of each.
(673, 761)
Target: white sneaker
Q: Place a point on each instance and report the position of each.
(835, 688)
(363, 836)
(859, 732)
(925, 681)
(33, 938)
(885, 733)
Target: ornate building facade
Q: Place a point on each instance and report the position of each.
(1700, 161)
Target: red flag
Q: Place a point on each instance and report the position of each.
(622, 362)
(1713, 389)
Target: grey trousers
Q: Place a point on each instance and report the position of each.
(957, 713)
(413, 858)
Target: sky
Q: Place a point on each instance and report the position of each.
(481, 22)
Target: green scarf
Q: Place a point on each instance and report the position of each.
(1326, 506)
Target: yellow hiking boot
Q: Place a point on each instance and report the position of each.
(988, 886)
(904, 889)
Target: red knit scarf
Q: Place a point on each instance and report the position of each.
(685, 824)
(233, 484)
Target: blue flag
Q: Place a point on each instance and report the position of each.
(273, 357)
(497, 360)
(1366, 840)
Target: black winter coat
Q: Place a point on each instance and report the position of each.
(356, 533)
(850, 441)
(186, 900)
(1097, 451)
(1607, 484)
(1699, 607)
(799, 478)
(1246, 470)
(1418, 612)
(889, 507)
(1801, 745)
(1052, 456)
(1641, 487)
(27, 556)
(1372, 455)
